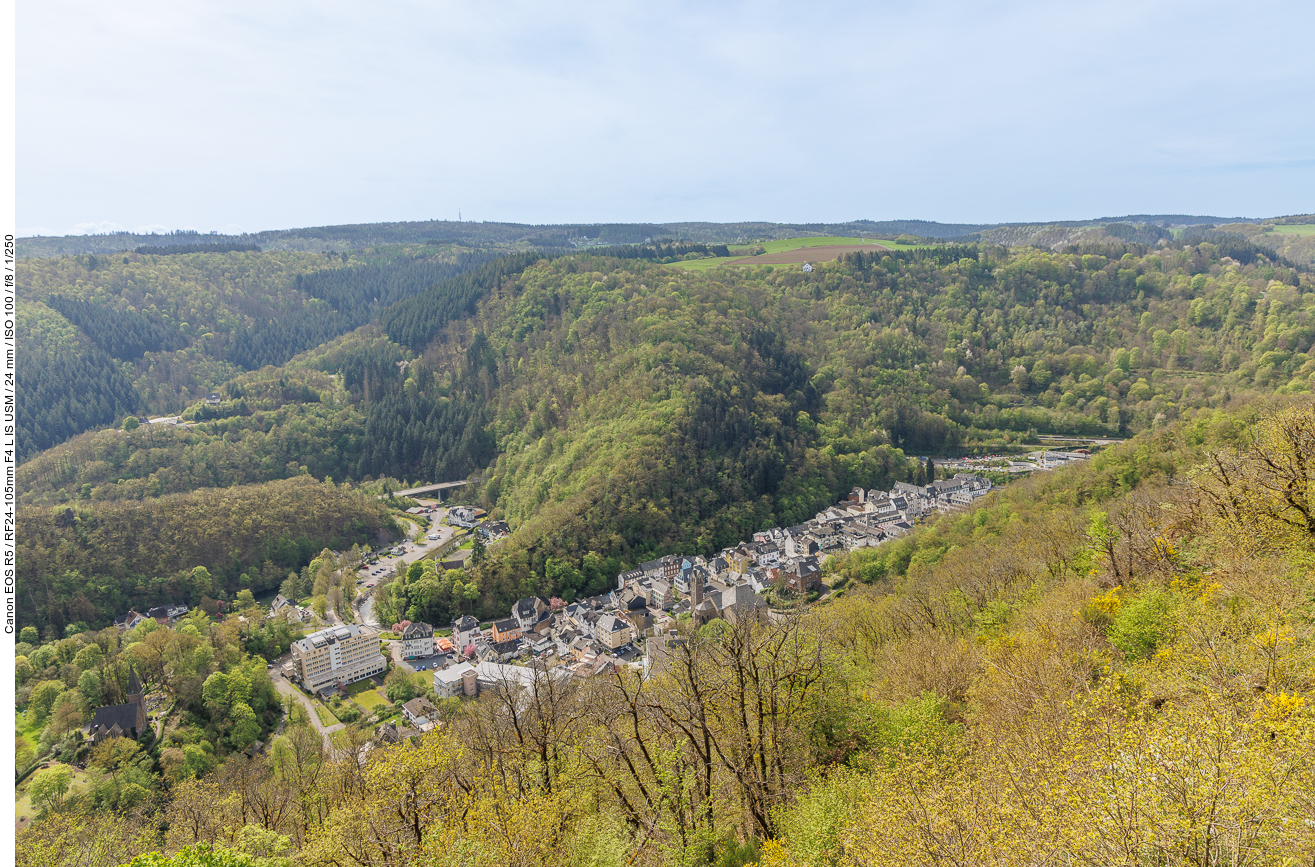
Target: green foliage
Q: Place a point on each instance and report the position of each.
(399, 687)
(200, 855)
(124, 335)
(812, 827)
(138, 553)
(42, 699)
(48, 787)
(90, 688)
(1144, 623)
(64, 383)
(417, 321)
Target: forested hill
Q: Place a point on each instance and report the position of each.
(87, 565)
(177, 327)
(617, 408)
(635, 409)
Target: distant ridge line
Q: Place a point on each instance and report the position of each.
(547, 235)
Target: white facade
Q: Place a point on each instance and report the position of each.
(340, 654)
(417, 640)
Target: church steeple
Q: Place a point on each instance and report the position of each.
(134, 686)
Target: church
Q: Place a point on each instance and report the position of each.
(120, 720)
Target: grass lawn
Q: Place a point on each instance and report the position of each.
(369, 700)
(1307, 229)
(359, 687)
(23, 805)
(326, 716)
(29, 733)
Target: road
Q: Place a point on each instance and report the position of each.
(372, 575)
(441, 486)
(325, 731)
(289, 690)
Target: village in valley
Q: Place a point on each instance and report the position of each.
(632, 625)
(635, 624)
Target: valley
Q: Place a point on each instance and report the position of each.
(787, 562)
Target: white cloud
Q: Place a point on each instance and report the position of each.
(301, 113)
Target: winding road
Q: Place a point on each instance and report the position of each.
(325, 731)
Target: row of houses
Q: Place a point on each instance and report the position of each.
(590, 635)
(593, 635)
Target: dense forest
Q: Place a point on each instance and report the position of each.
(185, 324)
(1108, 664)
(618, 407)
(65, 384)
(85, 564)
(180, 249)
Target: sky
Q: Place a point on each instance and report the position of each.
(244, 116)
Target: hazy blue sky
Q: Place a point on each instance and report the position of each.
(242, 115)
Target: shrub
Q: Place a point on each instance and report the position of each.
(1143, 623)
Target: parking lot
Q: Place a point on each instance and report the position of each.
(370, 574)
(421, 663)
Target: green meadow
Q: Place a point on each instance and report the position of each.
(739, 252)
(1304, 229)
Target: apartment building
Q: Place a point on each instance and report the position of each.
(417, 641)
(338, 655)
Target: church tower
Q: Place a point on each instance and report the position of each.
(134, 686)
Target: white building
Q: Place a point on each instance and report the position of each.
(338, 655)
(456, 680)
(417, 640)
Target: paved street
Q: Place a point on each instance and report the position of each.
(289, 690)
(372, 575)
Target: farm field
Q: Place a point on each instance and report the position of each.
(818, 253)
(1306, 229)
(792, 251)
(786, 244)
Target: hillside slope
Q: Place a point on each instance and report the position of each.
(178, 326)
(1110, 664)
(637, 408)
(615, 408)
